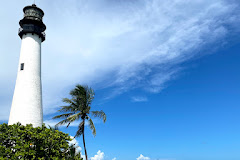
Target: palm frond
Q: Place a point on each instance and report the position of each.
(67, 109)
(62, 122)
(92, 127)
(67, 100)
(80, 129)
(63, 115)
(90, 95)
(68, 121)
(78, 91)
(83, 95)
(74, 117)
(100, 114)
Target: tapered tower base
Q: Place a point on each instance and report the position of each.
(27, 100)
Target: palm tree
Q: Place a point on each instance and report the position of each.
(78, 108)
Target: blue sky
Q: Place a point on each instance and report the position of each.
(165, 72)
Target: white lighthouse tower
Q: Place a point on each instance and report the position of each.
(27, 99)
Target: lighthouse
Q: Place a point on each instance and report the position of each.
(27, 99)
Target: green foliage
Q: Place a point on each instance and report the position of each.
(25, 142)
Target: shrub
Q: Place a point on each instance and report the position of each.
(25, 142)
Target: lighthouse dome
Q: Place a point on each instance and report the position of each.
(33, 12)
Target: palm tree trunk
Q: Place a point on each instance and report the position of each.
(84, 141)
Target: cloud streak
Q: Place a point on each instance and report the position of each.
(139, 99)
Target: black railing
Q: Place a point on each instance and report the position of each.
(31, 29)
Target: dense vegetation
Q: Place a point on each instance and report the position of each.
(25, 142)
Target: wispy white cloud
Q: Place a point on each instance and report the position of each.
(139, 99)
(141, 157)
(98, 156)
(121, 45)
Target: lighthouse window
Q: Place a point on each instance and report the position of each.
(22, 66)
